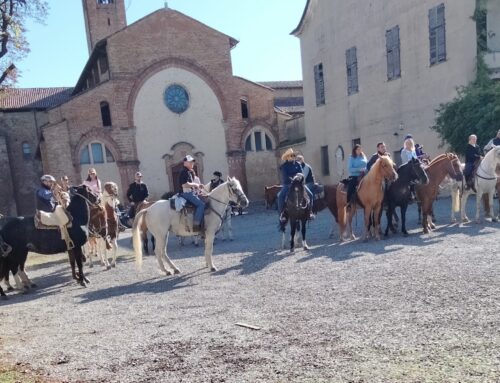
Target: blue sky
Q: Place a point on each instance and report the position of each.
(266, 50)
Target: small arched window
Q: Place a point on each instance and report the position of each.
(95, 153)
(105, 114)
(26, 151)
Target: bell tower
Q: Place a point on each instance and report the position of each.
(103, 18)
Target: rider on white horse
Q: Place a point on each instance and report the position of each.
(188, 185)
(472, 156)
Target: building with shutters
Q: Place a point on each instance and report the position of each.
(377, 70)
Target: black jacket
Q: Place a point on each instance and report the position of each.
(137, 192)
(472, 153)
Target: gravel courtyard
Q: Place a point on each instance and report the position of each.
(425, 308)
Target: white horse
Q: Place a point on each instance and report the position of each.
(485, 183)
(161, 219)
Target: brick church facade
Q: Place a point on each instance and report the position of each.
(149, 94)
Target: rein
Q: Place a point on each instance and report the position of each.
(485, 178)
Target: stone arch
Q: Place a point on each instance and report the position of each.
(259, 123)
(95, 135)
(176, 62)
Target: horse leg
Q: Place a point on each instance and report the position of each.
(88, 250)
(72, 262)
(403, 208)
(114, 250)
(103, 252)
(153, 242)
(209, 248)
(7, 283)
(389, 216)
(79, 263)
(492, 213)
(419, 207)
(463, 215)
(479, 198)
(145, 242)
(159, 251)
(293, 228)
(304, 243)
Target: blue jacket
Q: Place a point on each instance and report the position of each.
(407, 155)
(45, 200)
(357, 165)
(288, 170)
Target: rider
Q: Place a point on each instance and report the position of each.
(136, 193)
(493, 142)
(381, 151)
(288, 170)
(216, 181)
(408, 152)
(93, 182)
(307, 172)
(45, 200)
(357, 169)
(472, 156)
(187, 184)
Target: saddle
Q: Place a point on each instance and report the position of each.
(186, 210)
(60, 220)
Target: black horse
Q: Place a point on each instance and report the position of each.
(296, 211)
(22, 236)
(398, 193)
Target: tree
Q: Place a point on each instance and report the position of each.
(13, 44)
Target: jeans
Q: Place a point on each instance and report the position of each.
(198, 203)
(284, 192)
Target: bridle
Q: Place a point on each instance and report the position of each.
(491, 178)
(239, 197)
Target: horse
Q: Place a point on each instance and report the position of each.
(447, 163)
(110, 202)
(271, 195)
(485, 183)
(98, 233)
(161, 219)
(296, 207)
(369, 196)
(22, 235)
(398, 193)
(141, 206)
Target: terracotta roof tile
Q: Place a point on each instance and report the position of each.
(33, 98)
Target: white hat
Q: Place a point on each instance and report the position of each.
(47, 177)
(188, 158)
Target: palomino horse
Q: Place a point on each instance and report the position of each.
(485, 183)
(370, 196)
(161, 219)
(22, 235)
(296, 207)
(398, 193)
(442, 165)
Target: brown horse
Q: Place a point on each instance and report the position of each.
(271, 195)
(369, 196)
(442, 165)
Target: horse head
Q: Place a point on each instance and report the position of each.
(111, 189)
(236, 193)
(454, 170)
(386, 166)
(84, 192)
(418, 174)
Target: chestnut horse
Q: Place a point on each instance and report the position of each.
(442, 165)
(369, 196)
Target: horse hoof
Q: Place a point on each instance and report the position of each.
(305, 247)
(177, 271)
(10, 288)
(33, 285)
(494, 220)
(405, 234)
(86, 280)
(82, 283)
(213, 269)
(197, 244)
(113, 264)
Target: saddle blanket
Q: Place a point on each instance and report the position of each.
(47, 221)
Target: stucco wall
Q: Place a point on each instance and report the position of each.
(381, 110)
(159, 129)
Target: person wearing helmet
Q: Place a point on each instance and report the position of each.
(45, 200)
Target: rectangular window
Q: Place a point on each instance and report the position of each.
(325, 161)
(319, 84)
(244, 108)
(258, 141)
(392, 51)
(437, 34)
(105, 114)
(97, 155)
(356, 141)
(351, 59)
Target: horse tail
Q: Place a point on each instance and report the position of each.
(136, 237)
(455, 198)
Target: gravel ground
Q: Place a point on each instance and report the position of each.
(420, 309)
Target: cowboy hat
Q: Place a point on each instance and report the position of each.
(288, 154)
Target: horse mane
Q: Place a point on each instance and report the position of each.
(375, 169)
